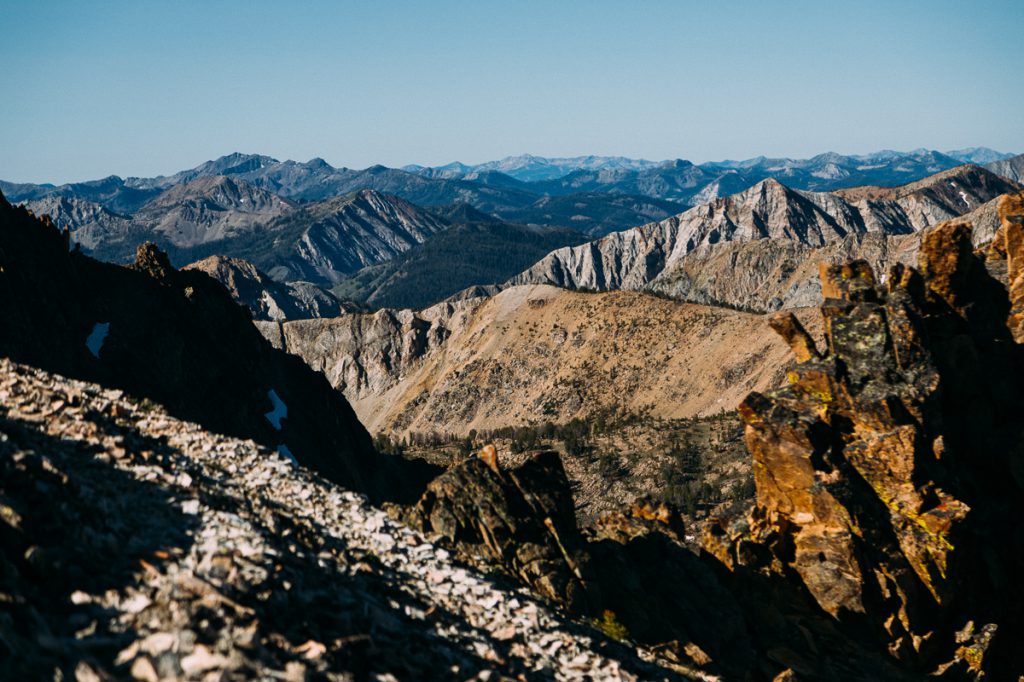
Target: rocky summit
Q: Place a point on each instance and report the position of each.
(268, 299)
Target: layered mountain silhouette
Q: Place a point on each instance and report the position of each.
(513, 188)
(379, 234)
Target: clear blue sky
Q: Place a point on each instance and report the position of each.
(143, 88)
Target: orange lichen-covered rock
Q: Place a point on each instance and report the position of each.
(889, 470)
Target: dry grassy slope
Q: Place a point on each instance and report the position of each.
(538, 353)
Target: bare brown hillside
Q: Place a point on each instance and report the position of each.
(536, 353)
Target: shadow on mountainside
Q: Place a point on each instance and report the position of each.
(177, 338)
(72, 524)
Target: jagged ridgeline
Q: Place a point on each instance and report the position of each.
(175, 338)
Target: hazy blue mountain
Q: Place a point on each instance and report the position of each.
(531, 168)
(593, 213)
(978, 155)
(109, 192)
(684, 182)
(593, 194)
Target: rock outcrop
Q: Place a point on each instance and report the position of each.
(889, 473)
(268, 299)
(521, 519)
(885, 540)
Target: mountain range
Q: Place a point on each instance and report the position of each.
(770, 213)
(182, 500)
(380, 236)
(512, 188)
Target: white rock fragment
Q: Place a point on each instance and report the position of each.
(136, 604)
(99, 334)
(79, 597)
(201, 660)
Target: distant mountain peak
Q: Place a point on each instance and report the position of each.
(319, 164)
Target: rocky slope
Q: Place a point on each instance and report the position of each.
(218, 215)
(93, 225)
(175, 338)
(1011, 169)
(136, 546)
(533, 354)
(209, 209)
(769, 210)
(322, 242)
(268, 299)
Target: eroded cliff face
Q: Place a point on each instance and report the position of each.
(767, 211)
(772, 274)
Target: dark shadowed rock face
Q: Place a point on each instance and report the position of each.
(520, 519)
(175, 338)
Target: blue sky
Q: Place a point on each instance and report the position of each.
(143, 88)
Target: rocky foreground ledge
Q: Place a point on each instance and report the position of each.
(135, 545)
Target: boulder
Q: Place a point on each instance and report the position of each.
(521, 520)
